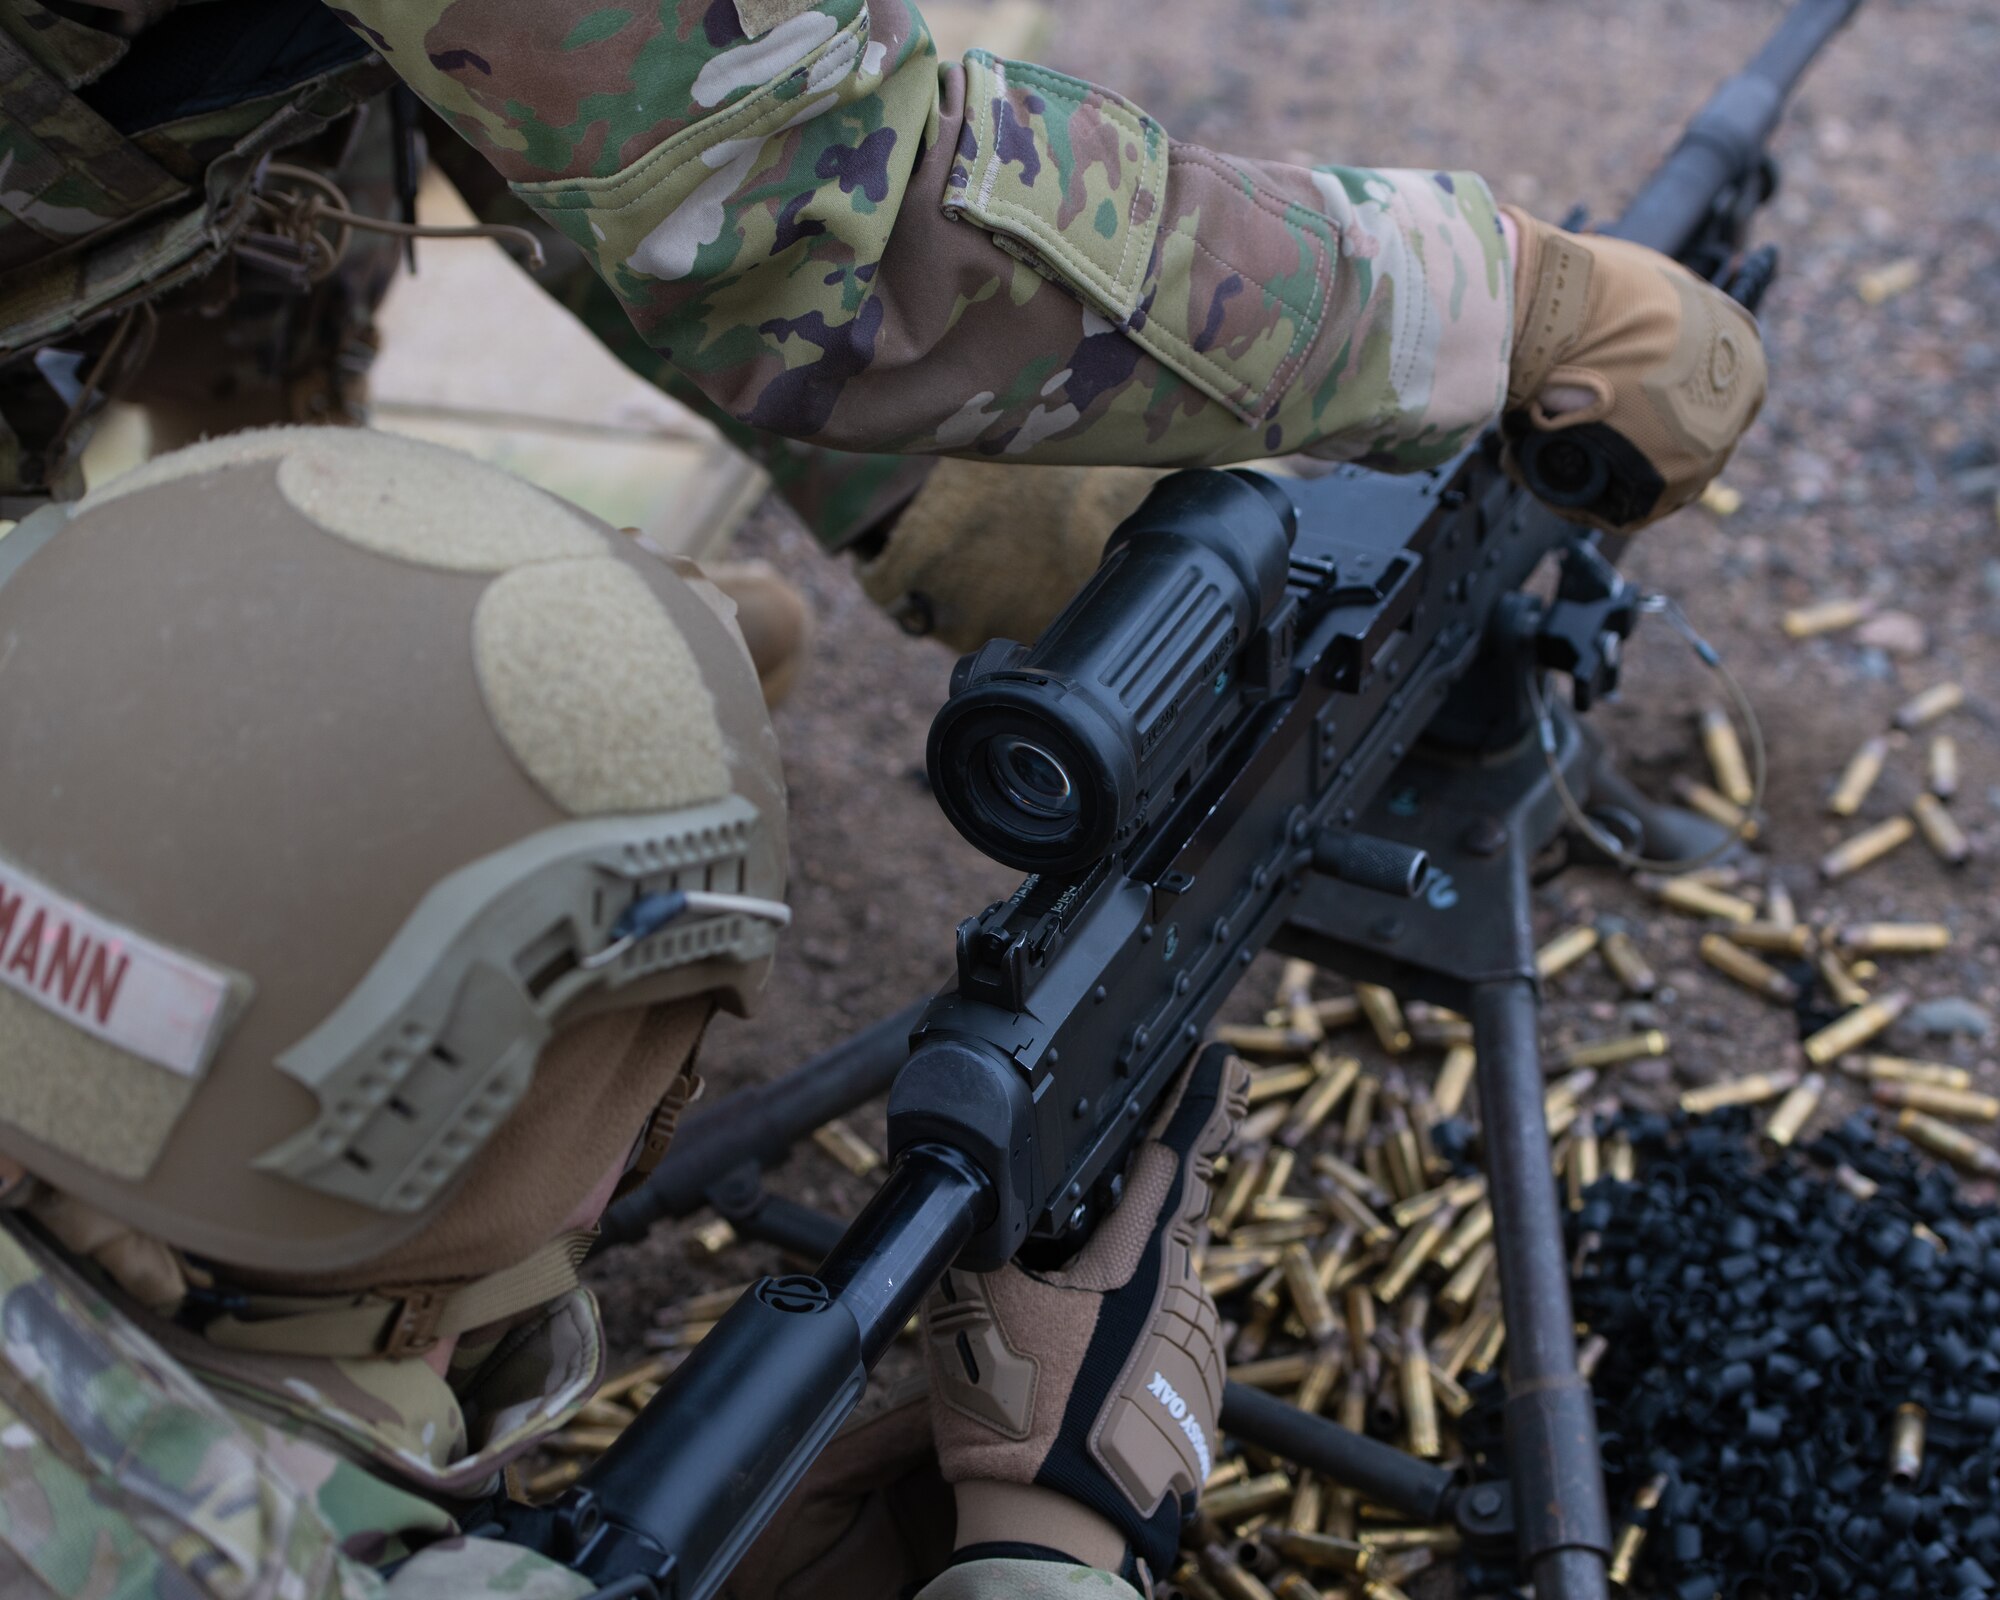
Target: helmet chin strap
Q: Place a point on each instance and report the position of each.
(396, 1321)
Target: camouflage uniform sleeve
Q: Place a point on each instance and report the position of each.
(1010, 1578)
(843, 242)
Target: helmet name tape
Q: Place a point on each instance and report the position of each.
(112, 982)
(425, 1058)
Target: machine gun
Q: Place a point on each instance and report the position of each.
(1297, 715)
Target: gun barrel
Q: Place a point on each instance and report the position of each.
(685, 1489)
(1723, 144)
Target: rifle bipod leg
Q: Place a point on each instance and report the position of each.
(1563, 1527)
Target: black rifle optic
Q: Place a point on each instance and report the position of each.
(1287, 714)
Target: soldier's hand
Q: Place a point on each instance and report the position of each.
(1631, 378)
(994, 552)
(1076, 1411)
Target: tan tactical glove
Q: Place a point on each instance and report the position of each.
(1075, 1411)
(994, 552)
(1652, 374)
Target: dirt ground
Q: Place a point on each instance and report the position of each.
(1872, 473)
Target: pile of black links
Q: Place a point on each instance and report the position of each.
(1773, 1327)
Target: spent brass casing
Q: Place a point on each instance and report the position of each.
(1793, 1111)
(1277, 1083)
(1441, 1538)
(1342, 1011)
(1459, 1192)
(1317, 1386)
(1487, 1351)
(1236, 1190)
(1943, 766)
(1270, 1291)
(1702, 900)
(1253, 1040)
(1475, 1226)
(847, 1147)
(1261, 1124)
(1632, 1537)
(1273, 1373)
(1953, 1144)
(1462, 1288)
(1959, 1105)
(1360, 1308)
(1233, 1471)
(714, 1236)
(1588, 1354)
(1840, 980)
(1858, 777)
(1225, 1280)
(1628, 966)
(1565, 950)
(1282, 1208)
(1824, 616)
(1625, 1047)
(1419, 1397)
(1789, 939)
(1423, 1118)
(1620, 1159)
(1933, 703)
(1307, 1499)
(1452, 1398)
(1308, 1298)
(1247, 1499)
(1293, 1586)
(1941, 830)
(1234, 1580)
(1894, 938)
(1350, 1178)
(1255, 1233)
(1350, 1207)
(1453, 1080)
(1725, 756)
(1195, 1585)
(1866, 847)
(1740, 966)
(1855, 1029)
(1385, 1015)
(1717, 807)
(1435, 1027)
(1335, 1076)
(1582, 1169)
(1750, 1091)
(1900, 1069)
(1417, 1247)
(1375, 1160)
(1855, 1183)
(1333, 1253)
(1295, 981)
(1906, 1444)
(1323, 1552)
(1251, 1338)
(1382, 1589)
(1278, 1166)
(1406, 1160)
(1778, 908)
(1360, 1113)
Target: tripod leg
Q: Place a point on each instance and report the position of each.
(1551, 1425)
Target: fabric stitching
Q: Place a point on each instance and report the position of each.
(1113, 291)
(1307, 316)
(607, 195)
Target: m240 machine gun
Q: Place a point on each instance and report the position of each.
(1298, 715)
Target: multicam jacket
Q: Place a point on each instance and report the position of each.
(138, 1461)
(842, 241)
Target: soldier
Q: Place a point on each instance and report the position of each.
(827, 238)
(378, 836)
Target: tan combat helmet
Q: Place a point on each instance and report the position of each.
(339, 774)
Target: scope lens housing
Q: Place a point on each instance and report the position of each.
(1049, 758)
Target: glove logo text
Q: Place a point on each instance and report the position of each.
(1177, 1408)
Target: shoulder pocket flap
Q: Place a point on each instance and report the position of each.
(1067, 173)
